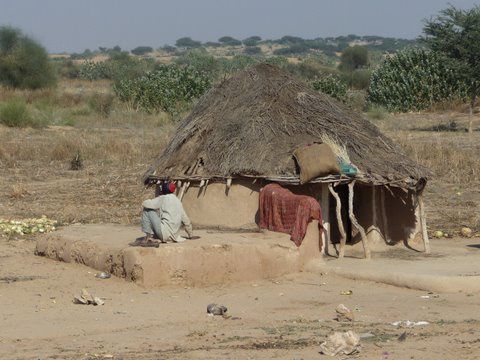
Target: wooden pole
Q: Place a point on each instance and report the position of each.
(354, 221)
(423, 224)
(341, 229)
(373, 231)
(384, 216)
(325, 206)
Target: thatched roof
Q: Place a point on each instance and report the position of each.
(250, 124)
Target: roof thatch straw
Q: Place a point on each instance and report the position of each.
(250, 124)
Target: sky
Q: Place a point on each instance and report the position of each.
(74, 25)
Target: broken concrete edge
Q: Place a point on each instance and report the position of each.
(424, 282)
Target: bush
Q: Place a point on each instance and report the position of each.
(201, 61)
(141, 50)
(360, 79)
(252, 41)
(102, 104)
(187, 43)
(167, 89)
(299, 48)
(353, 58)
(119, 66)
(228, 40)
(24, 63)
(15, 114)
(414, 80)
(377, 112)
(253, 50)
(331, 85)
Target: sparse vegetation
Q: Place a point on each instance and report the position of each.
(331, 85)
(170, 88)
(15, 113)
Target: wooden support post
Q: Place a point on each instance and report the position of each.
(423, 224)
(341, 229)
(325, 206)
(384, 216)
(354, 221)
(374, 232)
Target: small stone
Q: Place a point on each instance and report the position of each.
(466, 232)
(344, 313)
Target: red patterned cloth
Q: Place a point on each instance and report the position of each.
(283, 211)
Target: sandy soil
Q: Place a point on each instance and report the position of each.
(286, 317)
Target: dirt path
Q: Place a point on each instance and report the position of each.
(286, 317)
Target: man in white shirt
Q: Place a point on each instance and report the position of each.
(163, 217)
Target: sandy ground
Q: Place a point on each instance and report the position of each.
(284, 318)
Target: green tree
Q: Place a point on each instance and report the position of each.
(141, 50)
(228, 40)
(456, 34)
(353, 58)
(252, 41)
(188, 43)
(24, 62)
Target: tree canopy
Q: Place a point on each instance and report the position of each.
(23, 61)
(455, 33)
(186, 42)
(353, 58)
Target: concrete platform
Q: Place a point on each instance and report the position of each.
(453, 266)
(217, 257)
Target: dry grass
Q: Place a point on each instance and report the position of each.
(35, 177)
(453, 193)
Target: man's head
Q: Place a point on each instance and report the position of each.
(168, 188)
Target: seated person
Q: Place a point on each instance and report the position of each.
(163, 217)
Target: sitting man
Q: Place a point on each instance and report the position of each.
(163, 217)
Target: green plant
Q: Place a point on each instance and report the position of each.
(142, 50)
(23, 62)
(252, 50)
(455, 33)
(169, 89)
(252, 41)
(377, 113)
(187, 43)
(102, 104)
(414, 80)
(360, 79)
(14, 113)
(332, 85)
(353, 58)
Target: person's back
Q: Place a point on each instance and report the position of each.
(164, 215)
(173, 216)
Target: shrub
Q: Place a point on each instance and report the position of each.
(252, 41)
(414, 80)
(166, 89)
(23, 62)
(102, 104)
(377, 112)
(201, 61)
(15, 114)
(353, 58)
(187, 43)
(297, 48)
(331, 85)
(141, 50)
(228, 40)
(253, 50)
(119, 66)
(360, 79)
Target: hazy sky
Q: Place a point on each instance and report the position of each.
(73, 25)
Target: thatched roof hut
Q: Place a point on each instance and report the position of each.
(251, 123)
(246, 130)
